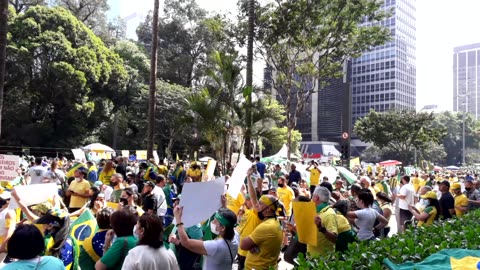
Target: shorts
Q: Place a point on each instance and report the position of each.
(404, 216)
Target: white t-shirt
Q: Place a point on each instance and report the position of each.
(409, 193)
(219, 256)
(53, 176)
(161, 203)
(37, 174)
(365, 220)
(147, 258)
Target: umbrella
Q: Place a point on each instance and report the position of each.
(452, 168)
(351, 177)
(390, 163)
(437, 168)
(205, 159)
(98, 147)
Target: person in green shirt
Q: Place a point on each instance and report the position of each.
(114, 252)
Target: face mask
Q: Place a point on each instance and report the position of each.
(124, 201)
(468, 189)
(213, 228)
(281, 185)
(260, 215)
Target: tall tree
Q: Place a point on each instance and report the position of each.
(3, 51)
(92, 13)
(153, 81)
(306, 42)
(249, 86)
(62, 82)
(401, 132)
(22, 5)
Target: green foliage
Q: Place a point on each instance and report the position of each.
(279, 138)
(399, 131)
(61, 80)
(414, 245)
(304, 41)
(453, 124)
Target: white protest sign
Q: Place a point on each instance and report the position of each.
(34, 194)
(155, 156)
(208, 175)
(79, 154)
(237, 180)
(200, 200)
(8, 167)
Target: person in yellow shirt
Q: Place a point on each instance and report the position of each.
(285, 195)
(315, 173)
(426, 216)
(264, 243)
(195, 172)
(235, 204)
(247, 222)
(453, 178)
(461, 201)
(106, 173)
(162, 169)
(326, 221)
(416, 183)
(78, 190)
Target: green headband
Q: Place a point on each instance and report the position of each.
(222, 220)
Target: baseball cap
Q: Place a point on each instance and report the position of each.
(52, 215)
(98, 183)
(429, 195)
(444, 182)
(456, 186)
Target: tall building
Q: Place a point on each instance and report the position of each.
(384, 78)
(466, 79)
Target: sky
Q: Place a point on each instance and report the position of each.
(441, 26)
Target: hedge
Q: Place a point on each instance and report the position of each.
(414, 245)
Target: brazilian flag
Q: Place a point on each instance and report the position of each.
(455, 259)
(75, 167)
(83, 230)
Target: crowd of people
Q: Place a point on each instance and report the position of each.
(136, 206)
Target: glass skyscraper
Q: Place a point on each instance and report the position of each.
(384, 78)
(466, 79)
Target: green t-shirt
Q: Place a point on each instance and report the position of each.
(115, 196)
(116, 254)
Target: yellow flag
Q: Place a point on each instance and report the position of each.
(354, 162)
(177, 158)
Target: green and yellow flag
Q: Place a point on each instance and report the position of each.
(83, 229)
(455, 259)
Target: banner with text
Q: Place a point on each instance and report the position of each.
(8, 167)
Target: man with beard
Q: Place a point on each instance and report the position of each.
(472, 194)
(117, 184)
(149, 199)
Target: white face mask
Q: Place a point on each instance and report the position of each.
(213, 228)
(135, 232)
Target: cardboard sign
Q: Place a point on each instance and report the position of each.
(141, 154)
(304, 214)
(125, 153)
(79, 154)
(33, 194)
(8, 167)
(210, 170)
(235, 182)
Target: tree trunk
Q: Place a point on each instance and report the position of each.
(3, 51)
(153, 81)
(115, 130)
(249, 79)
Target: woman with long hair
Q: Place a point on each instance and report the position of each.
(219, 253)
(430, 213)
(106, 173)
(386, 206)
(150, 252)
(30, 256)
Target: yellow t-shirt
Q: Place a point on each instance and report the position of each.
(416, 183)
(106, 176)
(162, 169)
(460, 200)
(329, 221)
(433, 213)
(342, 224)
(286, 196)
(268, 237)
(247, 224)
(235, 204)
(81, 187)
(314, 176)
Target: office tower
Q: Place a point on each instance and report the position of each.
(384, 78)
(466, 79)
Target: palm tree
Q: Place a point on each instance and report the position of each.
(249, 79)
(153, 81)
(3, 51)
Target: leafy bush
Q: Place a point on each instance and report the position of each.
(414, 245)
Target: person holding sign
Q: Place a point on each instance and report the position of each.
(219, 254)
(264, 243)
